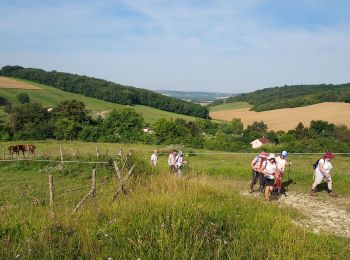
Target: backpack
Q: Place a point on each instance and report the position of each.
(314, 166)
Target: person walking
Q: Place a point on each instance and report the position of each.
(172, 160)
(258, 164)
(281, 164)
(154, 158)
(270, 172)
(323, 172)
(179, 163)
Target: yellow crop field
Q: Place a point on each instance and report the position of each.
(288, 118)
(7, 83)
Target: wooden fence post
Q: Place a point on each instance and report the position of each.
(117, 170)
(52, 200)
(97, 152)
(93, 185)
(122, 184)
(91, 193)
(61, 153)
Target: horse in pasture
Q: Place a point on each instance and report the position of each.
(22, 148)
(31, 149)
(13, 149)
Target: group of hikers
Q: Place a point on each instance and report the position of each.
(175, 161)
(269, 170)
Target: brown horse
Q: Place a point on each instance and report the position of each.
(22, 148)
(13, 149)
(31, 149)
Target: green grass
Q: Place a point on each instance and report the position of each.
(230, 106)
(200, 216)
(49, 97)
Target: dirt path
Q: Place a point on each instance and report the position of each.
(324, 214)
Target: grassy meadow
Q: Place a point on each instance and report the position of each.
(202, 215)
(230, 106)
(50, 96)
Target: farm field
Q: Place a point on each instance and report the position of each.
(205, 214)
(230, 106)
(49, 97)
(8, 83)
(288, 118)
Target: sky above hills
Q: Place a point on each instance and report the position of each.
(200, 45)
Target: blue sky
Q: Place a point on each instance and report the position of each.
(230, 46)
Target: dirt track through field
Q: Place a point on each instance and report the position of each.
(8, 83)
(288, 118)
(327, 215)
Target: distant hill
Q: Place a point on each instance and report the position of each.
(105, 90)
(50, 97)
(292, 96)
(195, 96)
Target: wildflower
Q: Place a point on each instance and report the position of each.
(225, 242)
(106, 235)
(17, 256)
(30, 250)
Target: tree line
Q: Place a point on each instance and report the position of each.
(69, 120)
(105, 90)
(292, 96)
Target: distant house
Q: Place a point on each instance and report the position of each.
(147, 130)
(260, 142)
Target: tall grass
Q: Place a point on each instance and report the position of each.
(163, 217)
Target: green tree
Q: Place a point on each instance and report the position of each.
(73, 110)
(122, 125)
(23, 98)
(66, 129)
(321, 128)
(32, 113)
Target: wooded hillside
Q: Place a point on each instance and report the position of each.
(294, 96)
(105, 90)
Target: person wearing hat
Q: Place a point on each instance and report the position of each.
(270, 173)
(258, 164)
(154, 158)
(322, 172)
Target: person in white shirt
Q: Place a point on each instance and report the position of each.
(154, 158)
(172, 160)
(281, 164)
(179, 162)
(270, 172)
(322, 172)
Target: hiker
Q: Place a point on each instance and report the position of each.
(172, 160)
(281, 164)
(322, 172)
(154, 158)
(179, 161)
(270, 172)
(258, 164)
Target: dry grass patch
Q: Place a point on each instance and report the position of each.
(288, 118)
(7, 83)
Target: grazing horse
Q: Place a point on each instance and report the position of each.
(31, 149)
(22, 148)
(13, 149)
